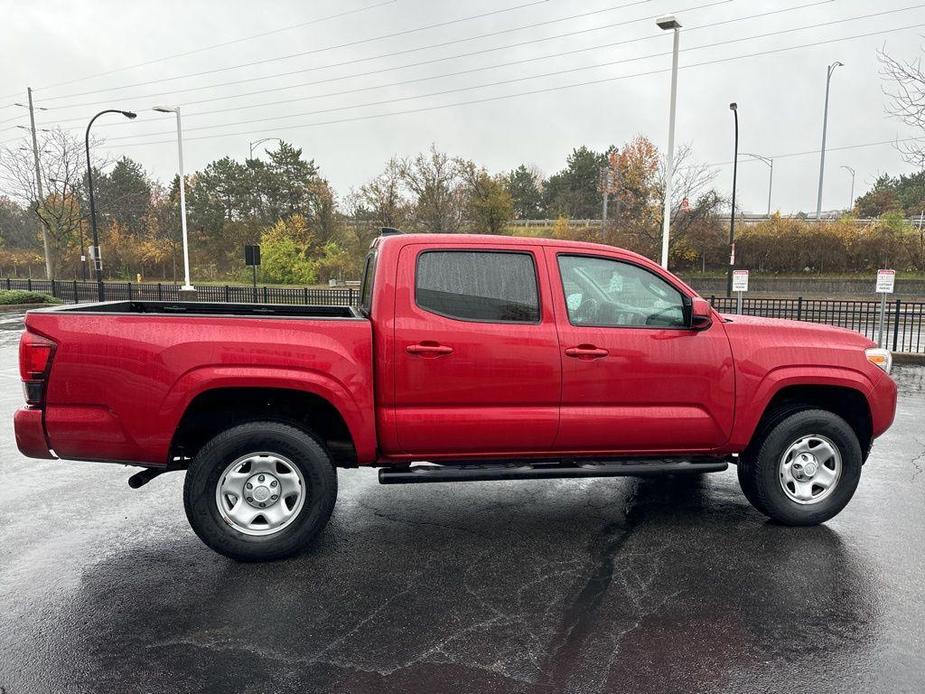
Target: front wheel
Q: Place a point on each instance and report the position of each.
(805, 470)
(260, 491)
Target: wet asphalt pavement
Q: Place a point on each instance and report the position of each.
(613, 585)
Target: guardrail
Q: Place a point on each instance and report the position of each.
(904, 325)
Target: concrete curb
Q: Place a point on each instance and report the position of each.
(909, 358)
(15, 308)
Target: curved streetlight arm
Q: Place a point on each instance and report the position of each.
(260, 142)
(770, 162)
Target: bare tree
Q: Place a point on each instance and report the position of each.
(382, 198)
(905, 100)
(62, 169)
(435, 181)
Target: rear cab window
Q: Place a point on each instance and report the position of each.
(478, 286)
(366, 287)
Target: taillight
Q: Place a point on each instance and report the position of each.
(35, 355)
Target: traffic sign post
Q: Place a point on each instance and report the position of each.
(739, 286)
(252, 258)
(886, 282)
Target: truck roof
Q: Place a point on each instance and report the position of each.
(495, 239)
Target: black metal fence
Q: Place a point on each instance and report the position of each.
(73, 291)
(904, 324)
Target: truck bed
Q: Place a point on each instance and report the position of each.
(189, 308)
(124, 373)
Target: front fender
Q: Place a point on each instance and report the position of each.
(753, 399)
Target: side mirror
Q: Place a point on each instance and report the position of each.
(701, 313)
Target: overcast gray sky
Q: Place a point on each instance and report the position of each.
(81, 57)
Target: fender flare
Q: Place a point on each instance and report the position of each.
(195, 382)
(783, 377)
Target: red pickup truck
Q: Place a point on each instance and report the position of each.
(469, 358)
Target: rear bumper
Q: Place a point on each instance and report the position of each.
(30, 433)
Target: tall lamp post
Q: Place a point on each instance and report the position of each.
(825, 119)
(259, 142)
(770, 162)
(97, 260)
(187, 290)
(732, 222)
(851, 199)
(669, 23)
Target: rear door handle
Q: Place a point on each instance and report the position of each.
(586, 352)
(429, 349)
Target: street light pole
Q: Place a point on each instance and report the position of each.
(187, 287)
(851, 199)
(732, 222)
(770, 162)
(97, 260)
(667, 23)
(825, 119)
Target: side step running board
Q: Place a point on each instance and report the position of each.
(480, 472)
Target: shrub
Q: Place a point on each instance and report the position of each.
(12, 297)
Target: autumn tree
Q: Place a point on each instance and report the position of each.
(489, 206)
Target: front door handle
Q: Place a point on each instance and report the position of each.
(586, 352)
(429, 349)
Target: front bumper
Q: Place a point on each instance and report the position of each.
(30, 433)
(883, 404)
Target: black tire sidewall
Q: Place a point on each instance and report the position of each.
(205, 471)
(764, 472)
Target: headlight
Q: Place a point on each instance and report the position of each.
(880, 357)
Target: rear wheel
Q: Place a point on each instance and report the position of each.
(260, 491)
(805, 470)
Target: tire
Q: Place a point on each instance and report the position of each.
(748, 487)
(250, 524)
(784, 478)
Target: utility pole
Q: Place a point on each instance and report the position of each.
(49, 269)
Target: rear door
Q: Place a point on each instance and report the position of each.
(635, 378)
(476, 354)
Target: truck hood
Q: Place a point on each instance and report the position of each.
(793, 332)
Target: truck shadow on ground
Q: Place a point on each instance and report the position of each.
(612, 585)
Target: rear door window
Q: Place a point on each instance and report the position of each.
(486, 286)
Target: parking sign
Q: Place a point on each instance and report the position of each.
(740, 280)
(886, 280)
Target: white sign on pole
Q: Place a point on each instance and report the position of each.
(740, 280)
(886, 280)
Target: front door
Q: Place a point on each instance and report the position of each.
(476, 352)
(635, 378)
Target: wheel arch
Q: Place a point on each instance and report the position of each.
(848, 402)
(217, 409)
